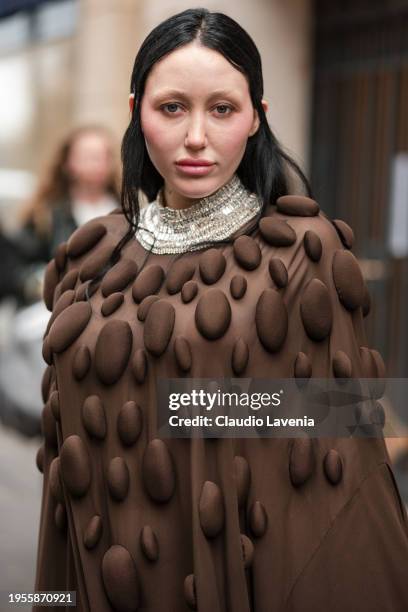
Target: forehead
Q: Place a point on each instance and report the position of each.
(195, 66)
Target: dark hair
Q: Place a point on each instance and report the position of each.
(263, 167)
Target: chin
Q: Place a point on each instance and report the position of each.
(197, 187)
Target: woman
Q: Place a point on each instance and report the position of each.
(80, 183)
(222, 274)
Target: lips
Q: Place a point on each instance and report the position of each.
(195, 162)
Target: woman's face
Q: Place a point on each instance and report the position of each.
(196, 105)
(90, 160)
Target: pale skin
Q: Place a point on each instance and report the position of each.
(196, 105)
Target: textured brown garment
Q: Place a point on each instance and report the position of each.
(132, 522)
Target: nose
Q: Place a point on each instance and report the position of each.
(196, 136)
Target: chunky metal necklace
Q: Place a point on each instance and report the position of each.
(215, 217)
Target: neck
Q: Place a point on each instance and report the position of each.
(176, 201)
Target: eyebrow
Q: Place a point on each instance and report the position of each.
(183, 94)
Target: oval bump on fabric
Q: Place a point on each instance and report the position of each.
(213, 314)
(69, 325)
(112, 303)
(94, 418)
(149, 544)
(47, 352)
(348, 279)
(69, 281)
(297, 205)
(271, 318)
(158, 327)
(55, 480)
(366, 305)
(278, 272)
(85, 238)
(379, 363)
(303, 366)
(190, 592)
(51, 278)
(147, 282)
(80, 292)
(342, 367)
(95, 262)
(212, 266)
(46, 382)
(345, 232)
(144, 306)
(312, 245)
(39, 459)
(238, 286)
(333, 466)
(182, 353)
(55, 405)
(211, 509)
(66, 299)
(120, 579)
(189, 291)
(316, 310)
(119, 277)
(242, 479)
(129, 423)
(61, 256)
(240, 356)
(60, 517)
(118, 478)
(112, 350)
(81, 362)
(302, 461)
(258, 519)
(48, 426)
(139, 366)
(75, 465)
(158, 471)
(180, 273)
(93, 532)
(247, 252)
(276, 232)
(247, 549)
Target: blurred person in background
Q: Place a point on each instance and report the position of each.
(80, 183)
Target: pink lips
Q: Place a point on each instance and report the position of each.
(195, 167)
(189, 161)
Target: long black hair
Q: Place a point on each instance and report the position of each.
(263, 168)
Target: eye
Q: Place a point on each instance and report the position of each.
(169, 104)
(225, 106)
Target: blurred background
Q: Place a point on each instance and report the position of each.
(336, 79)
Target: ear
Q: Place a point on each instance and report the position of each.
(256, 121)
(131, 102)
(265, 106)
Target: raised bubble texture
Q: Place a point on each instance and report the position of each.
(118, 478)
(271, 318)
(149, 543)
(46, 382)
(60, 517)
(211, 509)
(366, 305)
(316, 310)
(258, 519)
(129, 423)
(159, 327)
(112, 350)
(93, 532)
(182, 353)
(247, 253)
(39, 459)
(348, 279)
(303, 366)
(112, 303)
(144, 306)
(69, 281)
(55, 405)
(119, 276)
(55, 480)
(247, 550)
(240, 356)
(180, 273)
(313, 245)
(120, 579)
(242, 479)
(238, 286)
(51, 277)
(212, 266)
(81, 362)
(95, 262)
(333, 466)
(189, 291)
(213, 314)
(345, 233)
(148, 282)
(48, 426)
(158, 471)
(302, 461)
(85, 238)
(75, 465)
(61, 256)
(297, 205)
(342, 367)
(278, 272)
(139, 365)
(46, 351)
(69, 325)
(65, 300)
(379, 363)
(80, 292)
(368, 363)
(190, 592)
(276, 232)
(93, 417)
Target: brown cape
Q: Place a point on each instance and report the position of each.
(133, 522)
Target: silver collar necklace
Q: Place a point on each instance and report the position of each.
(215, 217)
